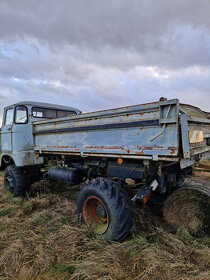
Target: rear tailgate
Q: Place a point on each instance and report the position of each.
(195, 128)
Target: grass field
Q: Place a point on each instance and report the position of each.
(41, 239)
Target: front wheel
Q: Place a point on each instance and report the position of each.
(15, 181)
(105, 207)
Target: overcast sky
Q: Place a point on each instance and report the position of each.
(98, 54)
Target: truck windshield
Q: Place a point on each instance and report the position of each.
(9, 116)
(50, 113)
(21, 114)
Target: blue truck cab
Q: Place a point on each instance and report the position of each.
(17, 142)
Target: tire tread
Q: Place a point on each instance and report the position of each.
(119, 201)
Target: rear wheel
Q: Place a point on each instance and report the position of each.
(15, 181)
(104, 206)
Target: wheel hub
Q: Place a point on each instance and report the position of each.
(9, 183)
(95, 214)
(100, 211)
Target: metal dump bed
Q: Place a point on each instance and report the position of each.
(195, 132)
(148, 131)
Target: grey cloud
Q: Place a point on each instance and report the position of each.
(160, 31)
(97, 54)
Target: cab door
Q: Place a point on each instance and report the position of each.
(6, 131)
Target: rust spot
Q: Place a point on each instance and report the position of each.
(140, 153)
(105, 147)
(62, 153)
(170, 127)
(108, 148)
(149, 148)
(172, 149)
(61, 147)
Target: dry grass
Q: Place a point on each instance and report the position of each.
(40, 239)
(188, 210)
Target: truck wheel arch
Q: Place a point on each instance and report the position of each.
(6, 160)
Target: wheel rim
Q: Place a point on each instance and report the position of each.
(9, 183)
(95, 215)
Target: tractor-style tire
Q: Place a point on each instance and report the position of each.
(104, 206)
(15, 181)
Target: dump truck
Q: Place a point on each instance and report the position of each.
(144, 148)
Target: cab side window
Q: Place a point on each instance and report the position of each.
(9, 116)
(63, 114)
(21, 115)
(43, 113)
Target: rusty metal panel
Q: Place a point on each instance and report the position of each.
(199, 144)
(131, 131)
(195, 131)
(185, 136)
(192, 111)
